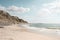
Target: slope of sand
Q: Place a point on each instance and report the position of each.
(18, 33)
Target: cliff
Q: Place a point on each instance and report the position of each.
(7, 19)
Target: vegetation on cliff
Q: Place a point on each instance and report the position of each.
(6, 19)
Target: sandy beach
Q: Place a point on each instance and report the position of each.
(18, 33)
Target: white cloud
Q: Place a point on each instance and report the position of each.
(15, 9)
(2, 8)
(50, 12)
(18, 9)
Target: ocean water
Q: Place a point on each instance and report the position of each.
(47, 29)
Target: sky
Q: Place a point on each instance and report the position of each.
(33, 11)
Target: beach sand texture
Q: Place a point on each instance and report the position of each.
(18, 33)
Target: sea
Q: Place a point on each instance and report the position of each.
(44, 28)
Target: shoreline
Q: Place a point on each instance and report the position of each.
(19, 33)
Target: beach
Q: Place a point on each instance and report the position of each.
(14, 32)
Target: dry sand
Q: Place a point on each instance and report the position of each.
(18, 33)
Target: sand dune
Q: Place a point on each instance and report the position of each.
(18, 33)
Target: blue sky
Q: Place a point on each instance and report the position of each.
(34, 11)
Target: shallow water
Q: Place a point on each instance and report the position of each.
(54, 31)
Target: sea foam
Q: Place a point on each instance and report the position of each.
(47, 31)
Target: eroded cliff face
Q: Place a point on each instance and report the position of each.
(7, 19)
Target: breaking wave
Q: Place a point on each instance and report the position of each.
(44, 30)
